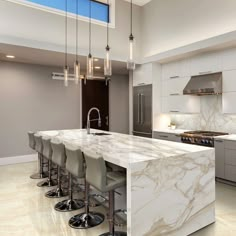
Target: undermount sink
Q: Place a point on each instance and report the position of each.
(100, 134)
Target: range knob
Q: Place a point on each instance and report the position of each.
(203, 141)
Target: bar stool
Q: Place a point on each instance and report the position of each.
(58, 158)
(47, 153)
(98, 177)
(86, 219)
(38, 148)
(75, 166)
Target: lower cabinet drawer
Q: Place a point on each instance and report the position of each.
(166, 136)
(230, 145)
(230, 157)
(230, 173)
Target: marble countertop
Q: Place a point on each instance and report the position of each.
(171, 131)
(231, 137)
(122, 149)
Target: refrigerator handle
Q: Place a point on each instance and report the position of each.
(142, 114)
(138, 108)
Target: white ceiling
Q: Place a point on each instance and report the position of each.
(140, 2)
(51, 58)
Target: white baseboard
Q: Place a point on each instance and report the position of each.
(18, 159)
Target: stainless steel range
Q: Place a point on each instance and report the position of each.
(203, 138)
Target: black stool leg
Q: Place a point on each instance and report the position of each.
(112, 231)
(58, 192)
(49, 182)
(69, 204)
(40, 174)
(87, 219)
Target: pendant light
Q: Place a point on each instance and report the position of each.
(107, 60)
(76, 63)
(130, 62)
(66, 68)
(90, 57)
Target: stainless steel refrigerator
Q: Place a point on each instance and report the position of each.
(142, 111)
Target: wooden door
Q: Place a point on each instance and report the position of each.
(95, 94)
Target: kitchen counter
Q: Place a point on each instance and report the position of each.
(170, 186)
(230, 137)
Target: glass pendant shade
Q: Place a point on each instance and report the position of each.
(66, 72)
(89, 67)
(130, 62)
(77, 71)
(107, 64)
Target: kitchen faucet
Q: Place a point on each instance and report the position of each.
(88, 119)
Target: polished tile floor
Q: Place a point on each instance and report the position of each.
(25, 211)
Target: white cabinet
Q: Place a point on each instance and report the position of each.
(220, 158)
(228, 59)
(229, 103)
(175, 69)
(166, 136)
(142, 75)
(174, 86)
(205, 64)
(180, 104)
(225, 151)
(229, 81)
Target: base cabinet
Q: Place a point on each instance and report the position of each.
(166, 136)
(225, 154)
(220, 158)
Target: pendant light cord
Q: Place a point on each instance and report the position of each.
(66, 33)
(90, 10)
(131, 17)
(77, 12)
(108, 21)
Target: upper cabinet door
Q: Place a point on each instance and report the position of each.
(228, 103)
(142, 75)
(175, 69)
(229, 81)
(205, 64)
(228, 59)
(174, 86)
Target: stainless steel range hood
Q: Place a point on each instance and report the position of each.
(208, 84)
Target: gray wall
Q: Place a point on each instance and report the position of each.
(119, 104)
(31, 100)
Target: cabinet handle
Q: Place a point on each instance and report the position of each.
(163, 136)
(219, 141)
(174, 77)
(174, 111)
(141, 84)
(205, 72)
(174, 94)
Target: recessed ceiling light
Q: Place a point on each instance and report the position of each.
(10, 56)
(97, 67)
(96, 59)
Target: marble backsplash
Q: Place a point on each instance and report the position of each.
(211, 117)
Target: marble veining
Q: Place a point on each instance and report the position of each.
(210, 118)
(170, 186)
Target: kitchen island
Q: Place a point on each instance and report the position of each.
(170, 186)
